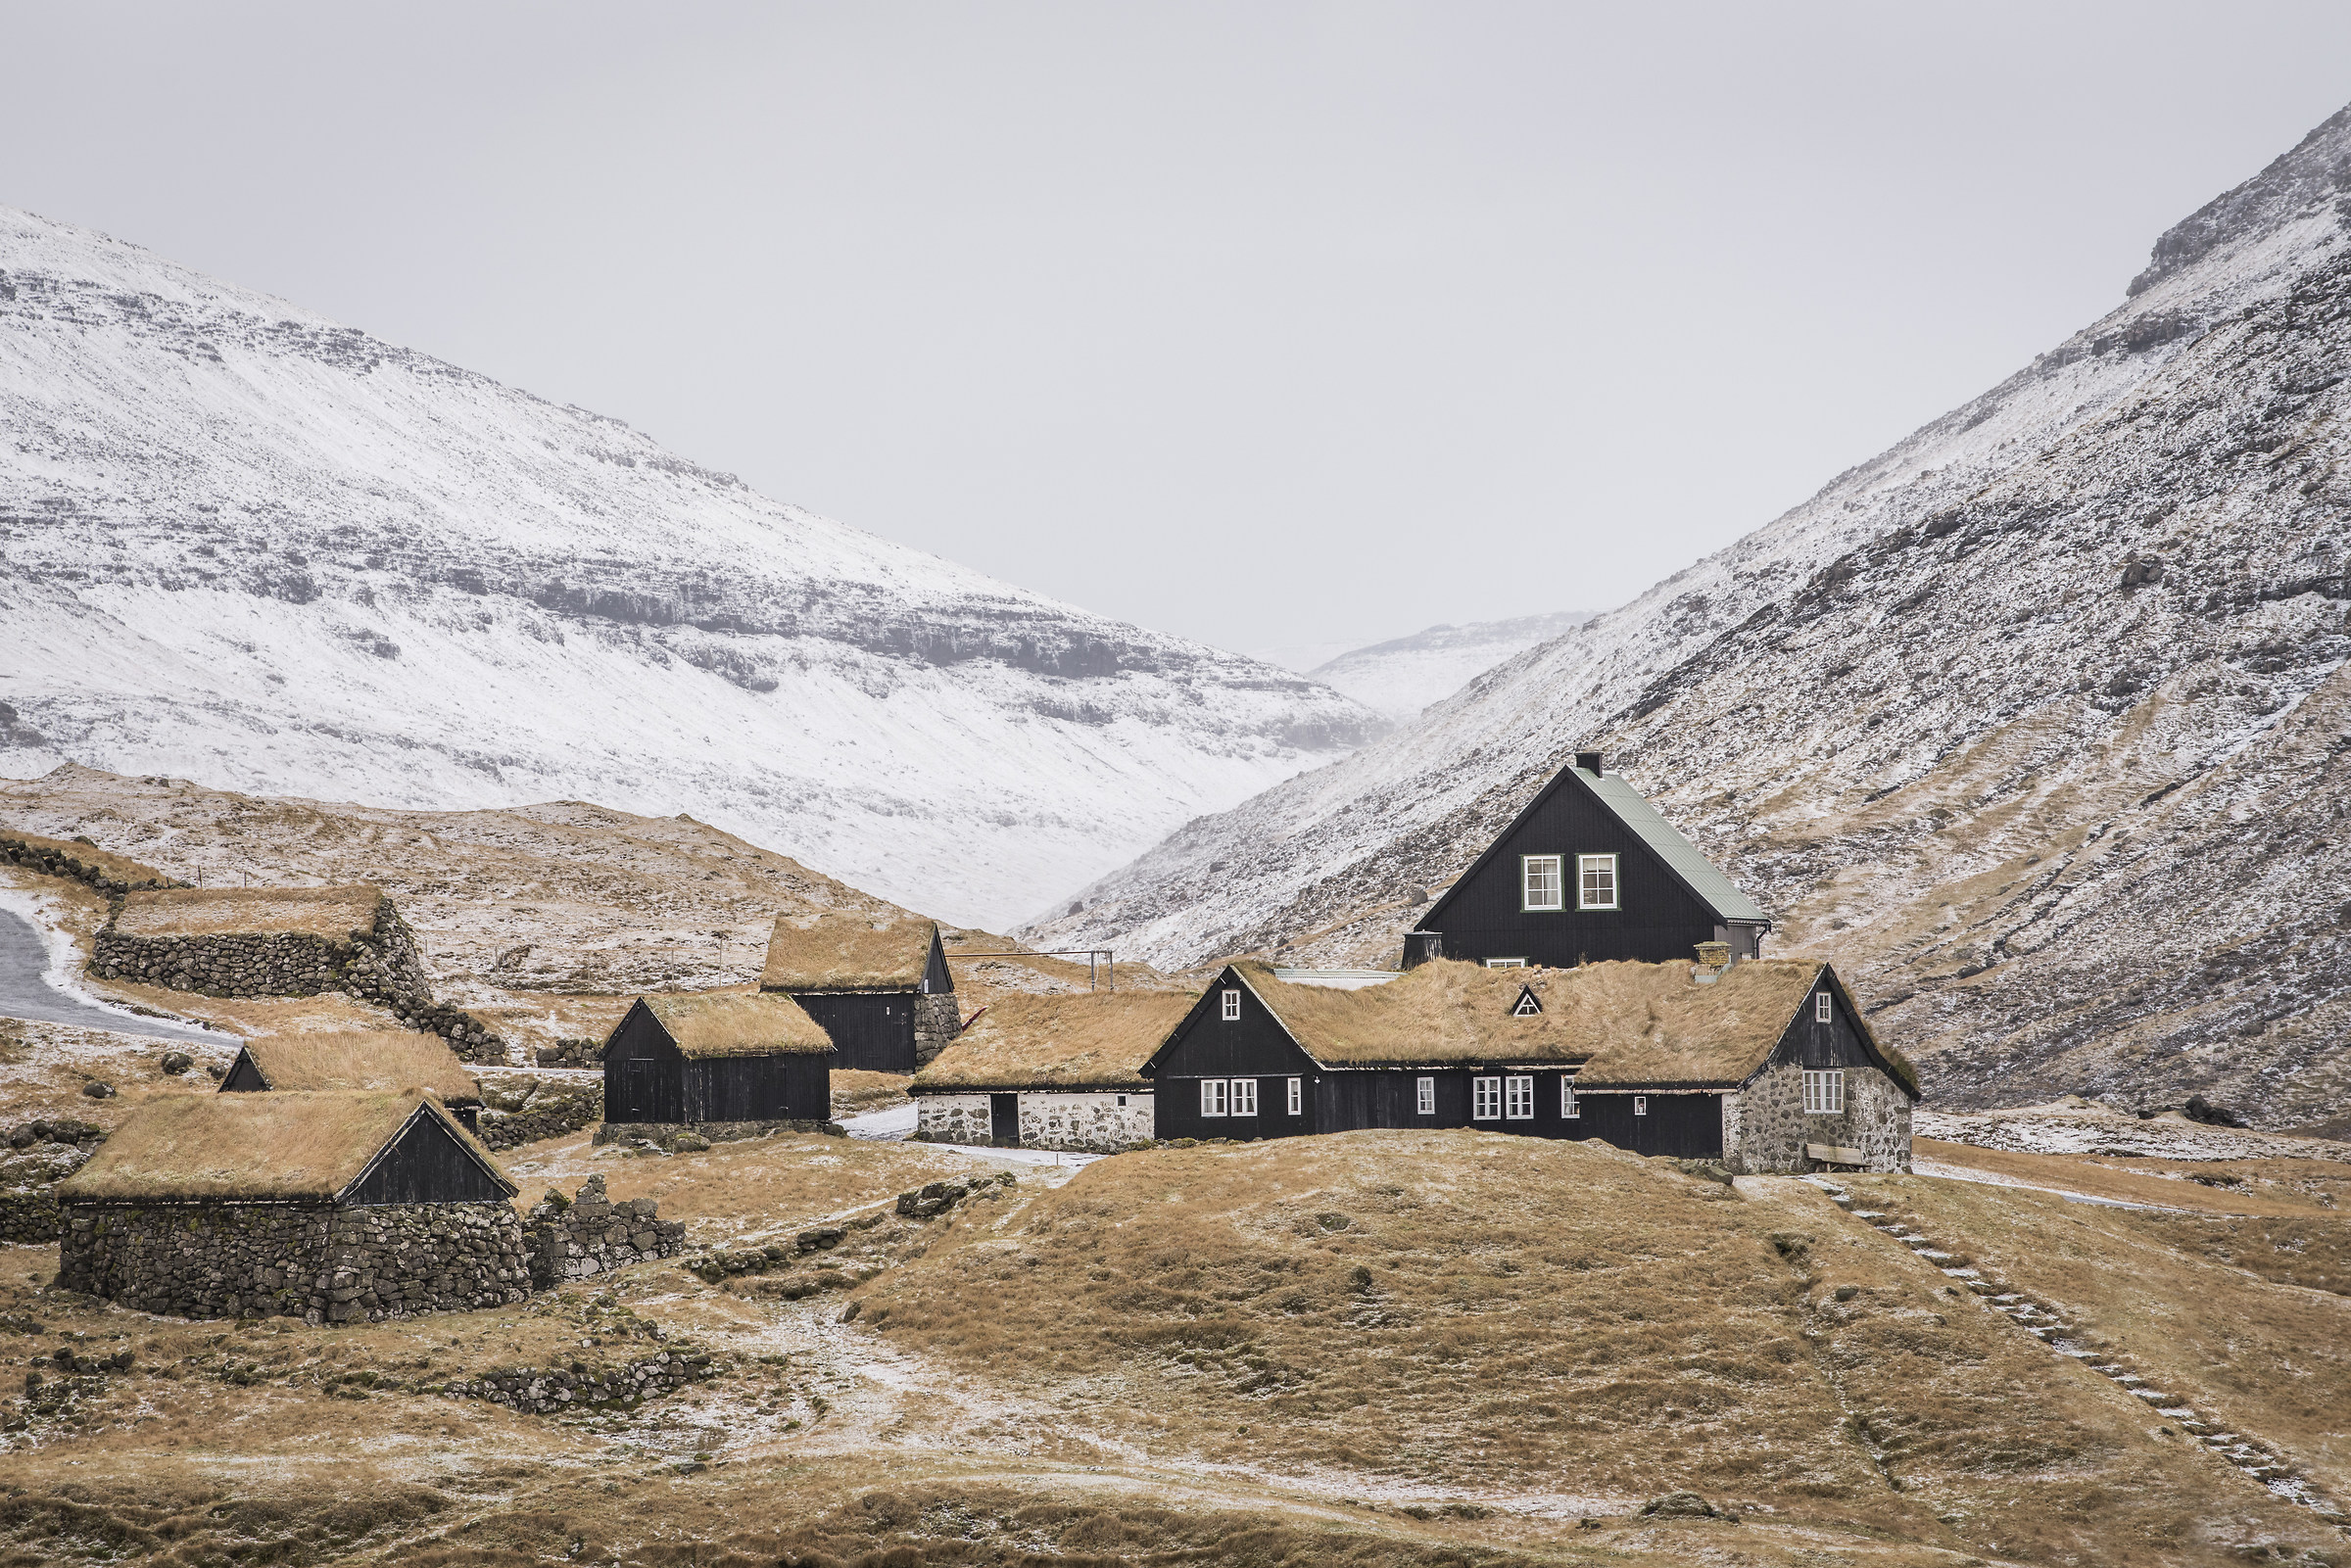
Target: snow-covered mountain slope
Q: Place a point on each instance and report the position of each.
(248, 545)
(2036, 724)
(1405, 675)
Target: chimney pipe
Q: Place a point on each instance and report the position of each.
(1589, 761)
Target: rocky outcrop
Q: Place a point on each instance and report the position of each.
(41, 1154)
(588, 1234)
(554, 1390)
(321, 1263)
(935, 1198)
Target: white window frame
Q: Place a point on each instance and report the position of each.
(1568, 1108)
(1213, 1096)
(1505, 963)
(1585, 867)
(1518, 1098)
(1822, 1010)
(1297, 1097)
(1232, 1005)
(1244, 1097)
(1424, 1097)
(1824, 1092)
(1640, 1105)
(1556, 866)
(1485, 1099)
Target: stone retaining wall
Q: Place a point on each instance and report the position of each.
(533, 1391)
(572, 1051)
(520, 1109)
(50, 861)
(588, 1234)
(938, 1020)
(316, 1262)
(667, 1133)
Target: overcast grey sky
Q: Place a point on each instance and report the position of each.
(1263, 323)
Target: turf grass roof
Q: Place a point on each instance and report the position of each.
(331, 912)
(721, 1024)
(1089, 1041)
(847, 953)
(371, 1059)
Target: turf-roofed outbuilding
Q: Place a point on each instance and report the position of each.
(358, 1059)
(1050, 1073)
(722, 1063)
(332, 1206)
(881, 989)
(1768, 1066)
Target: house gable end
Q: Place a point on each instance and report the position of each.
(425, 1161)
(640, 1036)
(1206, 1044)
(937, 979)
(1844, 1041)
(244, 1075)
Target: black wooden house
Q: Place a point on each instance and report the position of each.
(1768, 1066)
(880, 990)
(1588, 873)
(722, 1056)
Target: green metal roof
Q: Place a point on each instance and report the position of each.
(1679, 853)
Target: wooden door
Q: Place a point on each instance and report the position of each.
(1004, 1119)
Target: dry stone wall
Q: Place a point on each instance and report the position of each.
(325, 1265)
(1764, 1126)
(588, 1234)
(522, 1108)
(938, 1020)
(1082, 1122)
(41, 1154)
(50, 861)
(549, 1391)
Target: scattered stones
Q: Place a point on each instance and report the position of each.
(935, 1198)
(1684, 1505)
(175, 1062)
(98, 1090)
(588, 1234)
(554, 1391)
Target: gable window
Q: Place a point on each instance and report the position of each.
(1233, 1007)
(1528, 1004)
(1212, 1097)
(1821, 1009)
(1539, 881)
(1244, 1097)
(1505, 963)
(1297, 1096)
(1596, 881)
(1485, 1099)
(1824, 1093)
(1425, 1097)
(1640, 1105)
(1568, 1106)
(1518, 1099)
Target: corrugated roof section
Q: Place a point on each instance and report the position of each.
(1711, 885)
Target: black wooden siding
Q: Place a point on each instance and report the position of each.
(936, 977)
(872, 1031)
(243, 1077)
(648, 1078)
(1657, 920)
(426, 1164)
(1810, 1043)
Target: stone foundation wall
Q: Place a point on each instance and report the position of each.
(1764, 1126)
(667, 1133)
(323, 1264)
(938, 1020)
(588, 1234)
(951, 1119)
(1082, 1122)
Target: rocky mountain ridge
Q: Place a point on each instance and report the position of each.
(248, 543)
(1404, 675)
(2032, 724)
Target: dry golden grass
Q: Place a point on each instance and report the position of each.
(121, 868)
(718, 1024)
(392, 1059)
(826, 952)
(856, 1091)
(2231, 1187)
(290, 1147)
(330, 913)
(1097, 1038)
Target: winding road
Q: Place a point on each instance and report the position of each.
(25, 992)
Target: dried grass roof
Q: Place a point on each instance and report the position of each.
(1091, 1040)
(847, 953)
(1651, 1025)
(716, 1023)
(333, 913)
(1439, 1012)
(254, 1148)
(121, 868)
(363, 1059)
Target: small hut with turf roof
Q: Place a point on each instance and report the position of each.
(720, 1064)
(332, 1206)
(358, 1059)
(881, 989)
(1050, 1073)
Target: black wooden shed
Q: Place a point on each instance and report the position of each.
(880, 990)
(1586, 874)
(724, 1056)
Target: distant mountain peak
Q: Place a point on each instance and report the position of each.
(2314, 176)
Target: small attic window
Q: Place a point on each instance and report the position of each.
(1821, 1009)
(1505, 963)
(1528, 1004)
(1233, 1007)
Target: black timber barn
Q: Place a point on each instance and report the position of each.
(719, 1057)
(1768, 1066)
(1588, 873)
(880, 990)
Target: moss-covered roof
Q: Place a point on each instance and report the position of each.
(847, 953)
(256, 1148)
(1089, 1040)
(370, 1059)
(331, 912)
(716, 1023)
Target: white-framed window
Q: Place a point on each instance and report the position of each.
(1424, 1097)
(1518, 1099)
(1244, 1097)
(1640, 1105)
(1505, 963)
(1824, 1093)
(1233, 1006)
(1297, 1096)
(1568, 1106)
(1821, 1009)
(1539, 883)
(1213, 1096)
(1596, 881)
(1485, 1099)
